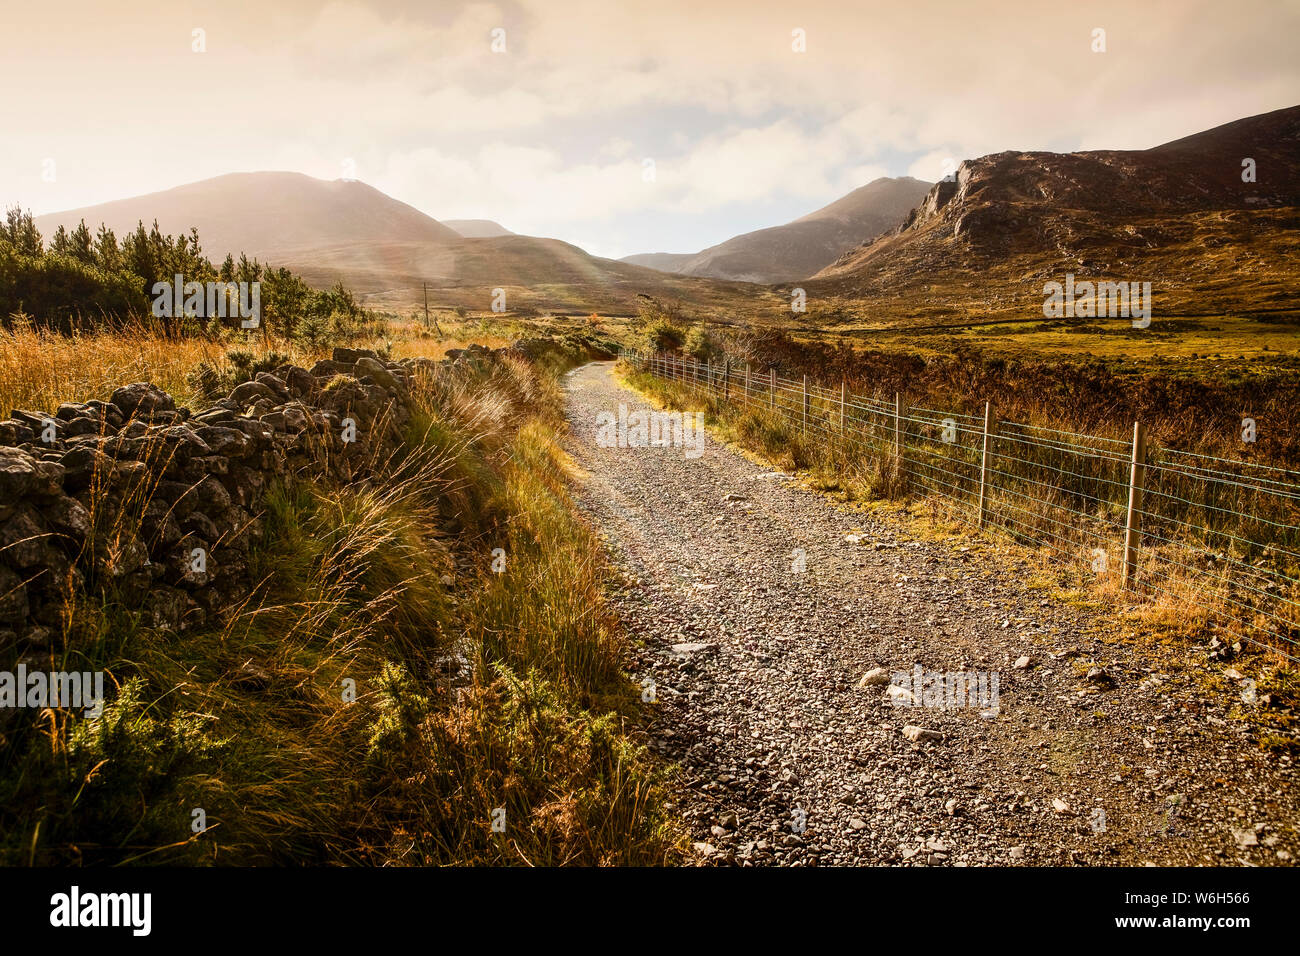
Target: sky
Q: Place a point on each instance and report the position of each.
(621, 126)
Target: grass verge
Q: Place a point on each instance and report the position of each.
(426, 674)
(1175, 607)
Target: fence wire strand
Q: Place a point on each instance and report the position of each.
(1065, 492)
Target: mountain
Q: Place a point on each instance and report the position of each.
(800, 248)
(265, 214)
(386, 251)
(536, 273)
(1177, 215)
(477, 228)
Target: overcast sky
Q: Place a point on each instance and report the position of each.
(550, 137)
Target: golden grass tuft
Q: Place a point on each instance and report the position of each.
(249, 717)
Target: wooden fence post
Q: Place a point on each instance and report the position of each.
(844, 387)
(746, 383)
(726, 381)
(900, 414)
(984, 465)
(805, 403)
(1133, 526)
(771, 387)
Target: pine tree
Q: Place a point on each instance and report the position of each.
(20, 229)
(59, 241)
(106, 254)
(81, 244)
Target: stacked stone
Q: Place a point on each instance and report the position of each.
(131, 491)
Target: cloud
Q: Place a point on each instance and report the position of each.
(549, 136)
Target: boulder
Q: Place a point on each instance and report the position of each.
(14, 432)
(227, 442)
(106, 412)
(160, 527)
(328, 369)
(24, 539)
(182, 442)
(69, 410)
(300, 382)
(141, 398)
(166, 607)
(81, 464)
(84, 426)
(376, 370)
(17, 473)
(121, 554)
(274, 383)
(351, 356)
(68, 517)
(250, 392)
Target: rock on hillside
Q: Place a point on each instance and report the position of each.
(1088, 211)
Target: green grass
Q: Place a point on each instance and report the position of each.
(1204, 347)
(252, 720)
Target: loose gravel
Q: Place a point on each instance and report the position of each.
(771, 622)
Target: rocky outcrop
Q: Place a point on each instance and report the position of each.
(161, 504)
(1195, 217)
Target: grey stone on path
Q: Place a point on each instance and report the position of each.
(761, 715)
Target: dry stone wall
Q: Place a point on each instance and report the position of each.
(162, 504)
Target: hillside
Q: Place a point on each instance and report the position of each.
(386, 250)
(1177, 215)
(545, 274)
(663, 261)
(264, 214)
(477, 228)
(800, 248)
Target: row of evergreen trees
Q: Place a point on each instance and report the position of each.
(83, 279)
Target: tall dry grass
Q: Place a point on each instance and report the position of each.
(40, 369)
(1199, 572)
(381, 693)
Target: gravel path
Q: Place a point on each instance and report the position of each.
(783, 758)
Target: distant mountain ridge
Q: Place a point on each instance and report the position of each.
(264, 214)
(477, 228)
(384, 249)
(798, 249)
(1178, 215)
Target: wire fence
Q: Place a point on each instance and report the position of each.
(1212, 536)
